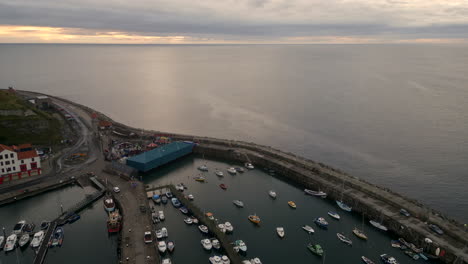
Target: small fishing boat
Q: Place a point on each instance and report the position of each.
(292, 204)
(215, 260)
(229, 227)
(162, 247)
(206, 243)
(219, 173)
(57, 239)
(10, 243)
(210, 216)
(164, 199)
(18, 228)
(29, 228)
(223, 186)
(37, 239)
(203, 229)
(359, 233)
(161, 215)
(249, 166)
(24, 240)
(175, 202)
(200, 179)
(194, 220)
(238, 203)
(239, 169)
(232, 171)
(170, 246)
(254, 219)
(225, 259)
(334, 215)
(168, 194)
(203, 168)
(221, 228)
(215, 243)
(366, 260)
(316, 249)
(109, 204)
(44, 224)
(309, 229)
(378, 225)
(159, 234)
(183, 209)
(190, 197)
(241, 245)
(280, 231)
(344, 206)
(188, 220)
(315, 193)
(73, 218)
(388, 259)
(344, 239)
(272, 194)
(321, 222)
(164, 232)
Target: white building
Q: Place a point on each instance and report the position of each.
(17, 162)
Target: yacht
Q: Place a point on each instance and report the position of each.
(272, 194)
(241, 245)
(225, 259)
(308, 229)
(162, 246)
(315, 193)
(10, 243)
(170, 246)
(109, 204)
(159, 234)
(221, 228)
(359, 233)
(24, 240)
(219, 173)
(161, 215)
(378, 225)
(148, 238)
(280, 231)
(228, 226)
(238, 203)
(164, 232)
(249, 166)
(203, 168)
(388, 259)
(344, 239)
(175, 202)
(194, 220)
(203, 229)
(215, 243)
(188, 220)
(18, 228)
(37, 239)
(334, 215)
(254, 219)
(232, 171)
(206, 243)
(344, 206)
(215, 260)
(321, 222)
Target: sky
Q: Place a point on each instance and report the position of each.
(233, 21)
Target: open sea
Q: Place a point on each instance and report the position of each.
(395, 115)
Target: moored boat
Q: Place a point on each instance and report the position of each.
(155, 218)
(229, 227)
(194, 220)
(232, 171)
(2, 239)
(175, 202)
(183, 209)
(292, 204)
(156, 199)
(114, 222)
(215, 260)
(24, 240)
(29, 227)
(359, 233)
(209, 215)
(219, 173)
(37, 239)
(203, 168)
(238, 203)
(200, 179)
(109, 204)
(188, 220)
(254, 219)
(73, 218)
(378, 225)
(366, 260)
(315, 193)
(18, 228)
(225, 259)
(249, 166)
(221, 228)
(190, 197)
(10, 243)
(203, 229)
(170, 246)
(316, 249)
(309, 229)
(164, 199)
(206, 243)
(321, 222)
(344, 239)
(161, 215)
(159, 234)
(215, 243)
(164, 232)
(280, 231)
(241, 245)
(344, 206)
(166, 261)
(57, 239)
(388, 259)
(168, 194)
(162, 247)
(44, 224)
(334, 215)
(223, 186)
(272, 194)
(395, 244)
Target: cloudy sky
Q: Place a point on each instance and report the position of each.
(233, 21)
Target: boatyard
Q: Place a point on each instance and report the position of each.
(275, 209)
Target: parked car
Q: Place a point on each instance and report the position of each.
(116, 189)
(436, 229)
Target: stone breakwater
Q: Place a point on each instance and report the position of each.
(373, 201)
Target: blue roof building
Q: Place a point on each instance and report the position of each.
(159, 156)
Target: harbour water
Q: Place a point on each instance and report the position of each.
(395, 115)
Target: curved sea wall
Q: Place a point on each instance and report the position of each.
(373, 201)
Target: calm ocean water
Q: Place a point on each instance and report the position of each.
(395, 115)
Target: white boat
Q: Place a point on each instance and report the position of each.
(166, 261)
(164, 232)
(10, 243)
(190, 197)
(159, 234)
(194, 220)
(24, 240)
(215, 243)
(228, 226)
(344, 239)
(161, 215)
(378, 225)
(308, 229)
(203, 229)
(241, 245)
(334, 215)
(315, 193)
(221, 228)
(188, 220)
(37, 239)
(203, 168)
(179, 187)
(155, 218)
(215, 260)
(18, 228)
(249, 166)
(255, 261)
(109, 204)
(344, 206)
(162, 246)
(272, 194)
(232, 170)
(280, 231)
(238, 203)
(225, 259)
(219, 173)
(206, 243)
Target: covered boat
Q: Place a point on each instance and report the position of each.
(272, 194)
(37, 239)
(280, 231)
(378, 225)
(156, 199)
(344, 206)
(315, 193)
(24, 240)
(10, 243)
